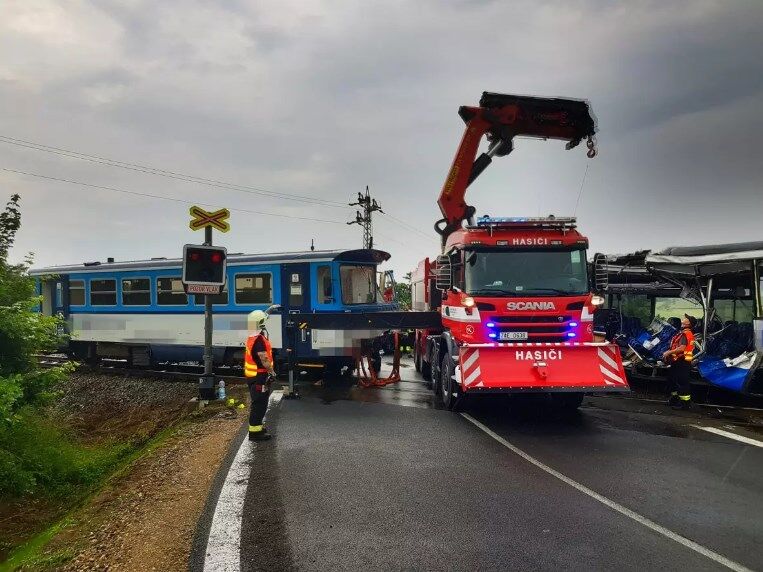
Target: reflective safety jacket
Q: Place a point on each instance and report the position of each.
(683, 338)
(251, 367)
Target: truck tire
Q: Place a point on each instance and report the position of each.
(449, 391)
(426, 371)
(566, 402)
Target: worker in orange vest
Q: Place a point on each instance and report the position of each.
(260, 374)
(679, 356)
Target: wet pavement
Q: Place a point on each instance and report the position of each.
(384, 479)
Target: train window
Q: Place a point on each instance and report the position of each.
(324, 286)
(103, 292)
(221, 298)
(136, 292)
(169, 292)
(77, 292)
(254, 289)
(358, 284)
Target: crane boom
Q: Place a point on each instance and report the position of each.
(501, 118)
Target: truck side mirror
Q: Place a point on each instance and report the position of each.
(600, 272)
(443, 276)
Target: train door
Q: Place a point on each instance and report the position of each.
(295, 296)
(52, 292)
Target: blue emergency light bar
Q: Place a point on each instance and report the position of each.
(558, 222)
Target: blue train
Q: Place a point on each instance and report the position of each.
(138, 311)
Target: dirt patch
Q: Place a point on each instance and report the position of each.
(100, 409)
(99, 406)
(145, 519)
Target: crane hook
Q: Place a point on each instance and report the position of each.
(591, 147)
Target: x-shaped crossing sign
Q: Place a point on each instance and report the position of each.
(202, 219)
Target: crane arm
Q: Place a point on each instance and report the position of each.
(501, 118)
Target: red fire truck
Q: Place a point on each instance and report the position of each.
(514, 294)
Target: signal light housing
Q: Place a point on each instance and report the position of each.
(204, 265)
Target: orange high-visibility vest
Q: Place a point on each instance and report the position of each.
(688, 354)
(251, 369)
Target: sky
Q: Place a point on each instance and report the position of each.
(295, 106)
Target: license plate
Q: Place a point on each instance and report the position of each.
(512, 336)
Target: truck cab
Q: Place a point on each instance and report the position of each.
(517, 311)
(517, 280)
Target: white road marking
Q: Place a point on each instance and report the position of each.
(690, 544)
(224, 543)
(730, 435)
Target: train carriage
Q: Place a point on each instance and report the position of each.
(138, 311)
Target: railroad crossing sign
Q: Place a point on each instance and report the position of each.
(203, 219)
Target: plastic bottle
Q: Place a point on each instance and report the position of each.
(221, 390)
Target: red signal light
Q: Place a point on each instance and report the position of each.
(216, 257)
(195, 256)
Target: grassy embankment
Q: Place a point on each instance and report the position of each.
(55, 457)
(96, 467)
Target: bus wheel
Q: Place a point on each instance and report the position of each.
(448, 386)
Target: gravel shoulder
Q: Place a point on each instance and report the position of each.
(146, 518)
(144, 515)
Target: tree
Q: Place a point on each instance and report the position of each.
(403, 292)
(24, 332)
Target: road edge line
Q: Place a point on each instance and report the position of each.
(203, 525)
(690, 544)
(730, 435)
(197, 561)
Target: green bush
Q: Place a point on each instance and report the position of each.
(33, 453)
(38, 457)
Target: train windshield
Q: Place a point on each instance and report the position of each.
(358, 284)
(525, 273)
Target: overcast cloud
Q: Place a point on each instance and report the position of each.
(322, 98)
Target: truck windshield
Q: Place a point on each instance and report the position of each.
(358, 284)
(525, 273)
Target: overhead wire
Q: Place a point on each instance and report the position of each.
(190, 179)
(164, 198)
(166, 173)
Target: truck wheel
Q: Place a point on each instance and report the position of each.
(566, 402)
(448, 386)
(426, 371)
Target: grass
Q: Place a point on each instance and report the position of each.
(99, 470)
(39, 458)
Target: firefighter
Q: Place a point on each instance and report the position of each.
(259, 373)
(679, 357)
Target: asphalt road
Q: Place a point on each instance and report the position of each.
(383, 480)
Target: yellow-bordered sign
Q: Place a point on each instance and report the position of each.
(202, 219)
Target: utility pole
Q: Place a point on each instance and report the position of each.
(369, 206)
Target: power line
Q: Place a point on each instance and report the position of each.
(165, 173)
(409, 227)
(187, 178)
(173, 199)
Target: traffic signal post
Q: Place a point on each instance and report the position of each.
(207, 381)
(204, 270)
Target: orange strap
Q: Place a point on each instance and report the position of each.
(372, 380)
